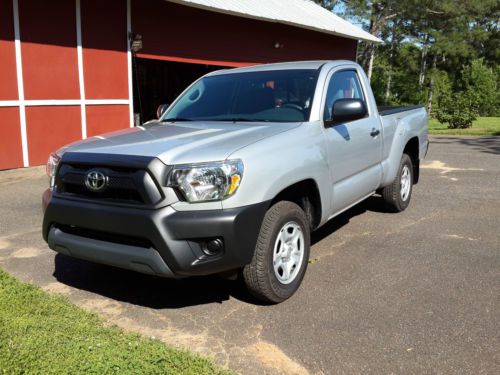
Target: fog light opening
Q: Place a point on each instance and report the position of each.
(213, 247)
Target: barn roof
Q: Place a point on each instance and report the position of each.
(299, 13)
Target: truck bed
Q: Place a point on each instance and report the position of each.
(388, 110)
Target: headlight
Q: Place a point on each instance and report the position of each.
(51, 169)
(207, 181)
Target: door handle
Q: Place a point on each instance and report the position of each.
(374, 132)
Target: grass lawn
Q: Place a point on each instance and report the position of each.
(43, 334)
(482, 126)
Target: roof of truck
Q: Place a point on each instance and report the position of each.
(316, 64)
(299, 13)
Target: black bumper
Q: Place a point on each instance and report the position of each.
(160, 241)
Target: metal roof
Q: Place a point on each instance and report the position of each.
(299, 13)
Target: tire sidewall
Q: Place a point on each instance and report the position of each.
(294, 214)
(405, 160)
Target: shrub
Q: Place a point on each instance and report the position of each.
(481, 81)
(457, 110)
(442, 89)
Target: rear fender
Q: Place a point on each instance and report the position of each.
(409, 125)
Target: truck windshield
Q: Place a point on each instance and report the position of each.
(269, 96)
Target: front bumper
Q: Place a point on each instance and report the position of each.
(162, 241)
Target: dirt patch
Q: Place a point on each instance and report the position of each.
(167, 334)
(16, 175)
(4, 244)
(457, 237)
(57, 288)
(258, 357)
(106, 307)
(27, 252)
(272, 356)
(444, 168)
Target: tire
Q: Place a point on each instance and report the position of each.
(397, 195)
(281, 247)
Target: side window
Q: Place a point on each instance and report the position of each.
(343, 85)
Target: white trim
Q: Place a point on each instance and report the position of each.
(79, 54)
(9, 103)
(129, 63)
(58, 102)
(20, 83)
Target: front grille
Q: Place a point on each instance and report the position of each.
(104, 236)
(124, 185)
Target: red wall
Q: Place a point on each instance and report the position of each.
(11, 155)
(105, 64)
(49, 128)
(170, 31)
(48, 35)
(104, 39)
(8, 79)
(106, 118)
(50, 72)
(178, 32)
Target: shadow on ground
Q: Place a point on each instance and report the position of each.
(490, 145)
(374, 204)
(160, 293)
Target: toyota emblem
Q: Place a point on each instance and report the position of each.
(96, 181)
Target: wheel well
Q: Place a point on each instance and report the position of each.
(305, 194)
(412, 150)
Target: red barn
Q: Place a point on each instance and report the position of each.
(72, 69)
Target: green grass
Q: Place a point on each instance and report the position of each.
(482, 126)
(42, 334)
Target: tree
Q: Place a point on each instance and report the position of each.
(376, 16)
(328, 4)
(426, 40)
(480, 82)
(442, 88)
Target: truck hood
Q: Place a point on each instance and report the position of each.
(182, 142)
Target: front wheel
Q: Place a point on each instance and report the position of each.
(281, 254)
(398, 194)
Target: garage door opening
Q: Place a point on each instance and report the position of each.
(160, 82)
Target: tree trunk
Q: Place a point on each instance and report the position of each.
(423, 63)
(369, 54)
(371, 57)
(387, 95)
(431, 87)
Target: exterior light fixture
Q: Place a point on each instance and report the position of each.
(135, 42)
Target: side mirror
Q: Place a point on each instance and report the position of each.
(345, 110)
(161, 110)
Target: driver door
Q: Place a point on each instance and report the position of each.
(354, 148)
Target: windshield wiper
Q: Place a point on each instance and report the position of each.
(176, 119)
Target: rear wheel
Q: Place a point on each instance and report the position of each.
(281, 254)
(398, 194)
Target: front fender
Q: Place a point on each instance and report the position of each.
(277, 162)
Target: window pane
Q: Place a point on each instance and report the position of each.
(274, 96)
(343, 85)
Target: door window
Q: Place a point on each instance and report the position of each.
(343, 85)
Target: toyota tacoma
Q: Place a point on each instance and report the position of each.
(234, 175)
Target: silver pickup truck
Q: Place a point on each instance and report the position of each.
(234, 175)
